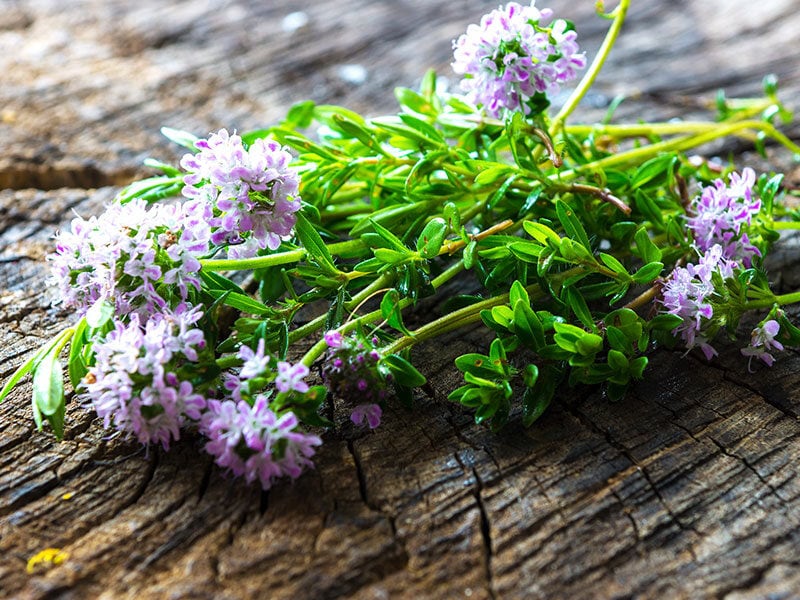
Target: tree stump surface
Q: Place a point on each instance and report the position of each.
(687, 488)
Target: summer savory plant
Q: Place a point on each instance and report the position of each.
(586, 245)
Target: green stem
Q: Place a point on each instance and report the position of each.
(466, 316)
(280, 258)
(317, 323)
(781, 300)
(597, 64)
(678, 144)
(785, 225)
(454, 320)
(376, 315)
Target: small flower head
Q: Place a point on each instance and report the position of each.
(126, 253)
(137, 384)
(290, 377)
(762, 340)
(513, 56)
(721, 212)
(256, 443)
(251, 192)
(688, 293)
(371, 413)
(353, 371)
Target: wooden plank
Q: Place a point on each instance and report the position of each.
(687, 488)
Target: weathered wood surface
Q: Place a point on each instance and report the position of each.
(687, 488)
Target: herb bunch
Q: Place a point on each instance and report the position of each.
(585, 245)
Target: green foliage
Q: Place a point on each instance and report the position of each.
(563, 234)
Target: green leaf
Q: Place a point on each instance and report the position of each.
(432, 237)
(182, 138)
(492, 174)
(497, 351)
(518, 293)
(648, 273)
(654, 171)
(303, 145)
(534, 403)
(242, 302)
(612, 263)
(390, 257)
(575, 252)
(300, 115)
(394, 242)
(423, 127)
(99, 313)
(391, 311)
(526, 251)
(486, 411)
(215, 281)
(491, 384)
(645, 247)
(48, 384)
(645, 205)
(537, 398)
(478, 365)
(328, 113)
(502, 314)
(618, 340)
(527, 326)
(396, 126)
(308, 236)
(408, 98)
(617, 361)
(589, 344)
(664, 322)
(76, 365)
(33, 363)
(637, 367)
(572, 224)
(360, 132)
(576, 302)
(21, 371)
(403, 371)
(151, 189)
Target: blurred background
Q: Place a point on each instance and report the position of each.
(86, 84)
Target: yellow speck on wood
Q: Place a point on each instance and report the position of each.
(49, 557)
(68, 496)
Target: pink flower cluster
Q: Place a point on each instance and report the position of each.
(138, 384)
(721, 212)
(688, 293)
(762, 341)
(125, 253)
(254, 442)
(512, 56)
(245, 434)
(252, 191)
(353, 371)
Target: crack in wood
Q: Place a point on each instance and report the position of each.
(486, 532)
(673, 517)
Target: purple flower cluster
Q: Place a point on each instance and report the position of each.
(254, 442)
(352, 370)
(688, 293)
(252, 191)
(126, 253)
(136, 383)
(721, 211)
(245, 434)
(512, 56)
(762, 340)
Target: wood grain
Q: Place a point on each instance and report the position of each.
(688, 488)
